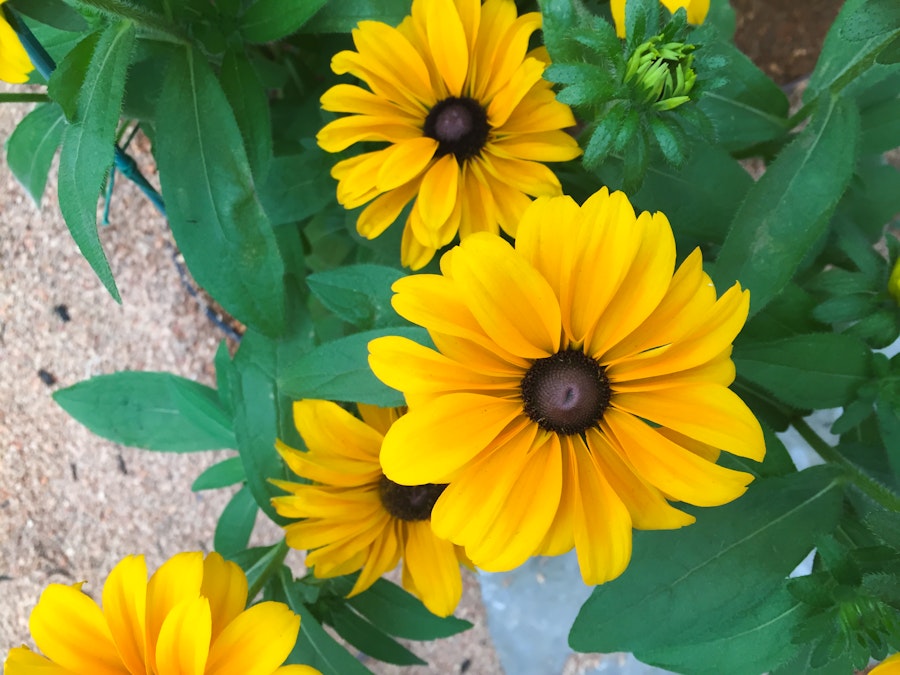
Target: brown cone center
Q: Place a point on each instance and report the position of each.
(409, 502)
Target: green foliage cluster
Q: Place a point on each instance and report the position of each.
(227, 90)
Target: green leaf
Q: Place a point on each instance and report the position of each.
(256, 561)
(227, 472)
(211, 200)
(875, 18)
(222, 364)
(370, 639)
(887, 412)
(154, 411)
(402, 614)
(704, 578)
(270, 20)
(749, 645)
(787, 210)
(55, 13)
(67, 81)
(359, 294)
(339, 370)
(297, 186)
(342, 17)
(807, 371)
(316, 647)
(236, 523)
(89, 145)
(881, 127)
(845, 308)
(250, 105)
(30, 148)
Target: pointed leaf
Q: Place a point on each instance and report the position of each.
(31, 147)
(270, 20)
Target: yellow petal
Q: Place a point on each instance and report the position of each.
(177, 580)
(510, 203)
(532, 178)
(718, 370)
(478, 213)
(383, 83)
(327, 428)
(560, 537)
(434, 568)
(14, 62)
(708, 413)
(125, 607)
(454, 428)
(256, 642)
(437, 195)
(404, 162)
(317, 501)
(414, 254)
(511, 94)
(184, 639)
(329, 469)
(348, 98)
(384, 210)
(225, 585)
(380, 419)
(511, 301)
(386, 49)
(675, 471)
(23, 661)
(549, 146)
(383, 556)
(648, 507)
(297, 670)
(69, 628)
(313, 533)
(601, 526)
(497, 16)
(343, 132)
(506, 49)
(537, 112)
(447, 40)
(617, 7)
(410, 367)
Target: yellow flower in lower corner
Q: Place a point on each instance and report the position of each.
(354, 517)
(189, 618)
(890, 666)
(466, 115)
(696, 11)
(578, 387)
(14, 62)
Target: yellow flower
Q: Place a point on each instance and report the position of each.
(467, 118)
(189, 618)
(578, 387)
(354, 517)
(14, 62)
(894, 282)
(890, 666)
(696, 11)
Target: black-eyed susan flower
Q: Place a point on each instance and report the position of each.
(189, 618)
(696, 11)
(357, 519)
(578, 387)
(14, 62)
(468, 121)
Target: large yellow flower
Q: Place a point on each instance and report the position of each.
(696, 11)
(354, 517)
(890, 666)
(578, 387)
(188, 620)
(14, 62)
(467, 117)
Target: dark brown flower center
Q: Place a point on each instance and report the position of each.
(459, 125)
(566, 393)
(408, 502)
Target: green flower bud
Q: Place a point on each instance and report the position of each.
(661, 74)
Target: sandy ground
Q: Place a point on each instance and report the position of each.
(72, 504)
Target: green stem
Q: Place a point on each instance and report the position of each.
(24, 98)
(140, 16)
(861, 480)
(269, 570)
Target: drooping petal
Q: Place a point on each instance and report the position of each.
(326, 427)
(343, 132)
(333, 469)
(256, 642)
(405, 161)
(125, 608)
(708, 413)
(383, 556)
(434, 568)
(437, 196)
(384, 210)
(450, 444)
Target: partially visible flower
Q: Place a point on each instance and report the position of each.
(894, 282)
(189, 618)
(890, 666)
(466, 115)
(696, 11)
(14, 62)
(357, 519)
(579, 384)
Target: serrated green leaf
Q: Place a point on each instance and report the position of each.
(787, 210)
(879, 330)
(807, 371)
(32, 145)
(88, 145)
(211, 199)
(154, 411)
(55, 13)
(603, 138)
(236, 523)
(370, 639)
(250, 105)
(270, 20)
(887, 412)
(223, 474)
(670, 140)
(703, 578)
(403, 615)
(359, 294)
(339, 370)
(67, 81)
